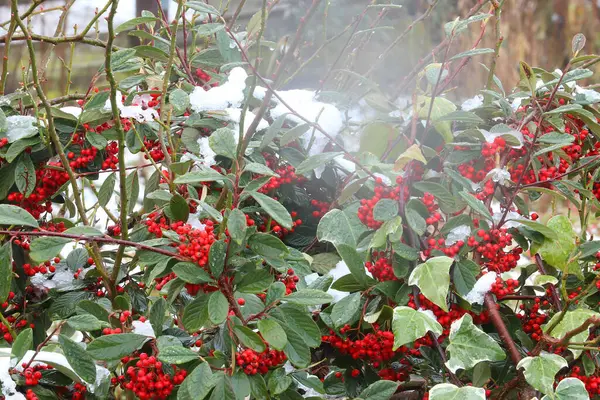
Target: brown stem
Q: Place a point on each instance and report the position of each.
(496, 319)
(554, 294)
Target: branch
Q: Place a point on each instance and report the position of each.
(498, 323)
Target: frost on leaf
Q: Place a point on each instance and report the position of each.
(20, 127)
(469, 345)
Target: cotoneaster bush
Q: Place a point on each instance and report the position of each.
(192, 230)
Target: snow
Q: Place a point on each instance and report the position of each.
(499, 175)
(429, 313)
(141, 113)
(459, 233)
(228, 94)
(234, 116)
(74, 111)
(590, 95)
(482, 286)
(207, 154)
(9, 387)
(305, 104)
(472, 103)
(20, 127)
(384, 179)
(143, 328)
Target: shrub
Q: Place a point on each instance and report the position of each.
(193, 231)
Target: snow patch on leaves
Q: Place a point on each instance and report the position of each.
(228, 94)
(481, 288)
(20, 127)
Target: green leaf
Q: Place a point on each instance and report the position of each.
(324, 262)
(380, 390)
(86, 323)
(236, 225)
(195, 314)
(469, 346)
(223, 142)
(255, 282)
(153, 53)
(267, 246)
(45, 248)
(437, 190)
(274, 209)
(273, 131)
(355, 263)
(441, 107)
(273, 333)
(6, 271)
(476, 205)
(541, 370)
(448, 391)
(218, 307)
(415, 220)
(216, 257)
(344, 310)
(260, 169)
(408, 325)
(179, 100)
(569, 389)
(308, 297)
(114, 347)
(571, 320)
(296, 349)
(84, 231)
(157, 315)
(132, 23)
(279, 381)
(77, 357)
(249, 338)
(197, 384)
(22, 343)
(180, 211)
(132, 183)
(300, 321)
(201, 7)
(223, 388)
(203, 175)
(557, 251)
(107, 190)
(316, 161)
(412, 153)
(390, 227)
(25, 175)
(541, 228)
(465, 275)
(471, 53)
(293, 134)
(191, 273)
(528, 76)
(204, 30)
(340, 227)
(433, 278)
(385, 209)
(13, 215)
(177, 355)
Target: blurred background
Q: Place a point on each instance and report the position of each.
(536, 31)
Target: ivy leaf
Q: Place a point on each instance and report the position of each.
(541, 370)
(433, 278)
(557, 251)
(440, 108)
(389, 227)
(571, 320)
(448, 391)
(249, 338)
(569, 389)
(380, 390)
(13, 215)
(236, 225)
(412, 153)
(409, 325)
(273, 333)
(476, 205)
(77, 357)
(469, 345)
(177, 355)
(274, 209)
(114, 347)
(340, 227)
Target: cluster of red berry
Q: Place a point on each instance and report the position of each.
(287, 176)
(502, 288)
(532, 319)
(492, 247)
(382, 268)
(365, 211)
(148, 381)
(592, 382)
(375, 346)
(252, 362)
(42, 268)
(321, 207)
(33, 374)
